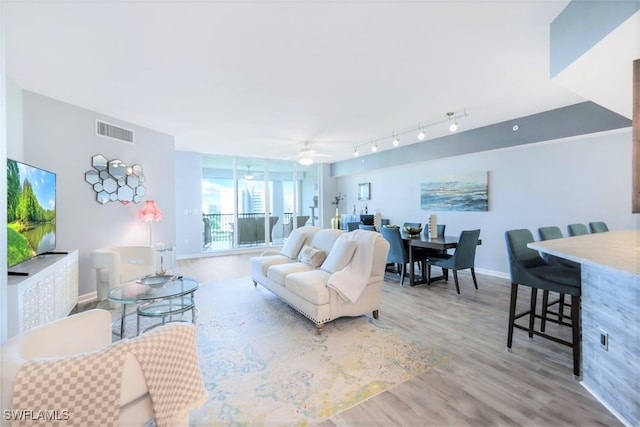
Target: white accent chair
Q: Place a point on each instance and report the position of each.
(84, 332)
(120, 264)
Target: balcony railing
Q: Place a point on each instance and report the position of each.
(219, 230)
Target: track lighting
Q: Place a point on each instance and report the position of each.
(452, 119)
(454, 126)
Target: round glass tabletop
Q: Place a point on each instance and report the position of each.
(152, 288)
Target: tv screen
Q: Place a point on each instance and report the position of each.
(31, 212)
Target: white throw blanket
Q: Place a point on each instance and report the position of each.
(84, 389)
(351, 281)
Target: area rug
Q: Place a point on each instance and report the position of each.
(263, 363)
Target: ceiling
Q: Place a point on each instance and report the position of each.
(259, 78)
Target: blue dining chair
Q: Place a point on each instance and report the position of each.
(598, 227)
(440, 230)
(423, 253)
(463, 257)
(577, 229)
(398, 254)
(353, 225)
(367, 227)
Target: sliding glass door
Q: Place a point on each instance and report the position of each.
(250, 202)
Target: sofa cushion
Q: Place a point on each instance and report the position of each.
(325, 238)
(279, 272)
(310, 286)
(312, 256)
(293, 244)
(340, 255)
(260, 264)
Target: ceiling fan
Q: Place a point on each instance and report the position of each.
(307, 155)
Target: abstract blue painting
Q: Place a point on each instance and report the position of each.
(468, 192)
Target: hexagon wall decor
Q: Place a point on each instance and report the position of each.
(114, 181)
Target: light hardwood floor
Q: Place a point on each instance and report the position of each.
(483, 385)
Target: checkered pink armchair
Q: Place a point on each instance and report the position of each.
(77, 335)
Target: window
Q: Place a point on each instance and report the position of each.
(254, 202)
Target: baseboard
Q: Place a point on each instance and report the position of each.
(88, 298)
(494, 273)
(606, 405)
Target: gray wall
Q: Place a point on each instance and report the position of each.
(61, 138)
(577, 179)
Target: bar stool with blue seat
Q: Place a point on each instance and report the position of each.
(529, 269)
(551, 233)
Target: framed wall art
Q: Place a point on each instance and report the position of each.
(463, 192)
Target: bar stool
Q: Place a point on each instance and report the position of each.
(529, 269)
(550, 233)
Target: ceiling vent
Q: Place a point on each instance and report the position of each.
(114, 132)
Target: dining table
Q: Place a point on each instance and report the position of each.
(439, 243)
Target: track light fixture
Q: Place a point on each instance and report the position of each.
(452, 119)
(453, 126)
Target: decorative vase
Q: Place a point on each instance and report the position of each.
(335, 221)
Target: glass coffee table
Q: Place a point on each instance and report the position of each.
(156, 296)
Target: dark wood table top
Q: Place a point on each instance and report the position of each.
(441, 243)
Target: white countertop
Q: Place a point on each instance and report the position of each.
(619, 250)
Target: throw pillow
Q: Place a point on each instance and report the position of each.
(293, 244)
(340, 255)
(312, 256)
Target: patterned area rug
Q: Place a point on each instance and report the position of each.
(264, 364)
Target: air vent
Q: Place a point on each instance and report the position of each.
(110, 131)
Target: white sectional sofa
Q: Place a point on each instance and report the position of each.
(325, 274)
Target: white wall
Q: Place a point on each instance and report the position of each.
(3, 186)
(580, 179)
(61, 137)
(189, 226)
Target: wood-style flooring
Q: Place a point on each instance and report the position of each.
(483, 385)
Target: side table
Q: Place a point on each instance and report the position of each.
(165, 260)
(159, 295)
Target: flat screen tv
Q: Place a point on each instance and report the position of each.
(31, 212)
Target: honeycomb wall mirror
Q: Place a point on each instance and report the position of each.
(114, 181)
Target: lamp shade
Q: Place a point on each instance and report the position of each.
(150, 212)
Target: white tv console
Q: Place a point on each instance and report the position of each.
(49, 292)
